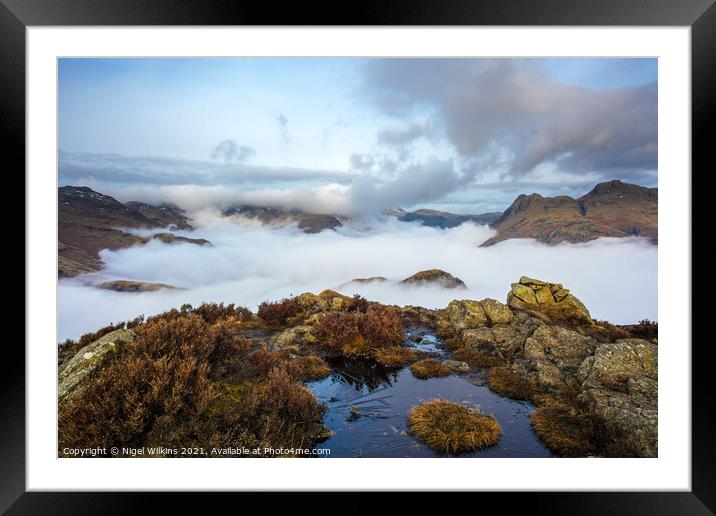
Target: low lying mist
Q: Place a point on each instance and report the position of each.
(249, 263)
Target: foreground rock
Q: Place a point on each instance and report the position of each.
(74, 371)
(550, 300)
(434, 277)
(549, 350)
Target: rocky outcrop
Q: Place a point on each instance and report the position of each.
(556, 353)
(619, 382)
(296, 337)
(434, 277)
(545, 337)
(549, 301)
(74, 371)
(467, 314)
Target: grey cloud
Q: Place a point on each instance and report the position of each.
(113, 168)
(228, 151)
(361, 162)
(415, 183)
(513, 104)
(399, 136)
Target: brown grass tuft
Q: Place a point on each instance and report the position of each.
(506, 382)
(307, 369)
(429, 368)
(570, 432)
(453, 428)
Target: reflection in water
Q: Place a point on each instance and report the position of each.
(361, 375)
(367, 405)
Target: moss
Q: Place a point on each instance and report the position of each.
(506, 382)
(453, 428)
(395, 356)
(228, 396)
(429, 368)
(308, 368)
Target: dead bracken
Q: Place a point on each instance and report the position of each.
(429, 368)
(453, 428)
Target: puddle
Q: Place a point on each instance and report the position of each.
(367, 405)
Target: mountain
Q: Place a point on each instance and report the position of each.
(165, 215)
(89, 221)
(434, 277)
(307, 222)
(612, 209)
(441, 219)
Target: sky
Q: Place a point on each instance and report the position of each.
(353, 136)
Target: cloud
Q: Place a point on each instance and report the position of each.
(118, 170)
(413, 184)
(250, 264)
(228, 151)
(488, 104)
(282, 122)
(399, 136)
(361, 162)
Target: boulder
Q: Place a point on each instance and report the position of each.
(473, 338)
(75, 370)
(557, 354)
(619, 382)
(551, 301)
(496, 312)
(464, 314)
(613, 364)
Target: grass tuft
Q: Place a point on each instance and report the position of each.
(307, 369)
(506, 382)
(453, 428)
(429, 368)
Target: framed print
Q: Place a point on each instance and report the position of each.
(424, 249)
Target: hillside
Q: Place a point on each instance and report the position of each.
(307, 222)
(89, 221)
(612, 209)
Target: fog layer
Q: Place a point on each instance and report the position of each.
(249, 263)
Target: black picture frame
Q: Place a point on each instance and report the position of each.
(700, 15)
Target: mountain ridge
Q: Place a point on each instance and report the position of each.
(610, 209)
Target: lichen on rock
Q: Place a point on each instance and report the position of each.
(549, 300)
(75, 370)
